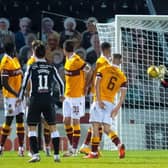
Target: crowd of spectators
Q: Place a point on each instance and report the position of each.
(87, 42)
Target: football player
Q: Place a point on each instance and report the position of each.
(41, 75)
(46, 130)
(11, 75)
(109, 81)
(77, 74)
(103, 60)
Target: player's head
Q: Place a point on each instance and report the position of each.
(106, 49)
(40, 50)
(10, 48)
(35, 43)
(117, 59)
(68, 47)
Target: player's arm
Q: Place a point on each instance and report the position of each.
(58, 79)
(5, 84)
(88, 76)
(97, 88)
(25, 82)
(123, 92)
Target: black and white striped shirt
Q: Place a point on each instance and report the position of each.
(41, 76)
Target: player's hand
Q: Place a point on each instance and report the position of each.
(62, 98)
(101, 104)
(18, 102)
(114, 112)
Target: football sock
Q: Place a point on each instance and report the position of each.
(47, 136)
(100, 133)
(76, 136)
(95, 143)
(88, 137)
(69, 132)
(5, 133)
(20, 133)
(55, 141)
(33, 141)
(115, 139)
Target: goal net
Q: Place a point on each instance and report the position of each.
(143, 41)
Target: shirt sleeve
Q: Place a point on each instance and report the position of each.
(26, 78)
(58, 79)
(4, 66)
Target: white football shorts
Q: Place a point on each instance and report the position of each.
(11, 108)
(101, 115)
(74, 107)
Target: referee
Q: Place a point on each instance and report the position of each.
(41, 76)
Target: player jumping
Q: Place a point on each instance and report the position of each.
(41, 75)
(109, 80)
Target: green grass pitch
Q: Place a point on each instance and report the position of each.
(134, 159)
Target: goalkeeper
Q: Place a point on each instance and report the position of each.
(159, 72)
(164, 76)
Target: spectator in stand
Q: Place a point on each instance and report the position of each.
(57, 61)
(81, 52)
(70, 31)
(25, 29)
(47, 28)
(58, 58)
(5, 34)
(52, 45)
(91, 30)
(26, 51)
(93, 52)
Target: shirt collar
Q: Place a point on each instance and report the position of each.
(105, 58)
(72, 56)
(117, 66)
(40, 59)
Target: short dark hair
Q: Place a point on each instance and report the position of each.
(105, 46)
(69, 45)
(40, 50)
(117, 56)
(9, 48)
(35, 43)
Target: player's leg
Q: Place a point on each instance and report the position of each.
(85, 148)
(6, 128)
(47, 137)
(67, 120)
(33, 118)
(76, 135)
(115, 139)
(55, 141)
(78, 110)
(95, 141)
(20, 133)
(68, 129)
(32, 134)
(107, 122)
(50, 117)
(96, 117)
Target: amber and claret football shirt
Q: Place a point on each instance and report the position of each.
(101, 61)
(31, 60)
(74, 76)
(112, 79)
(11, 67)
